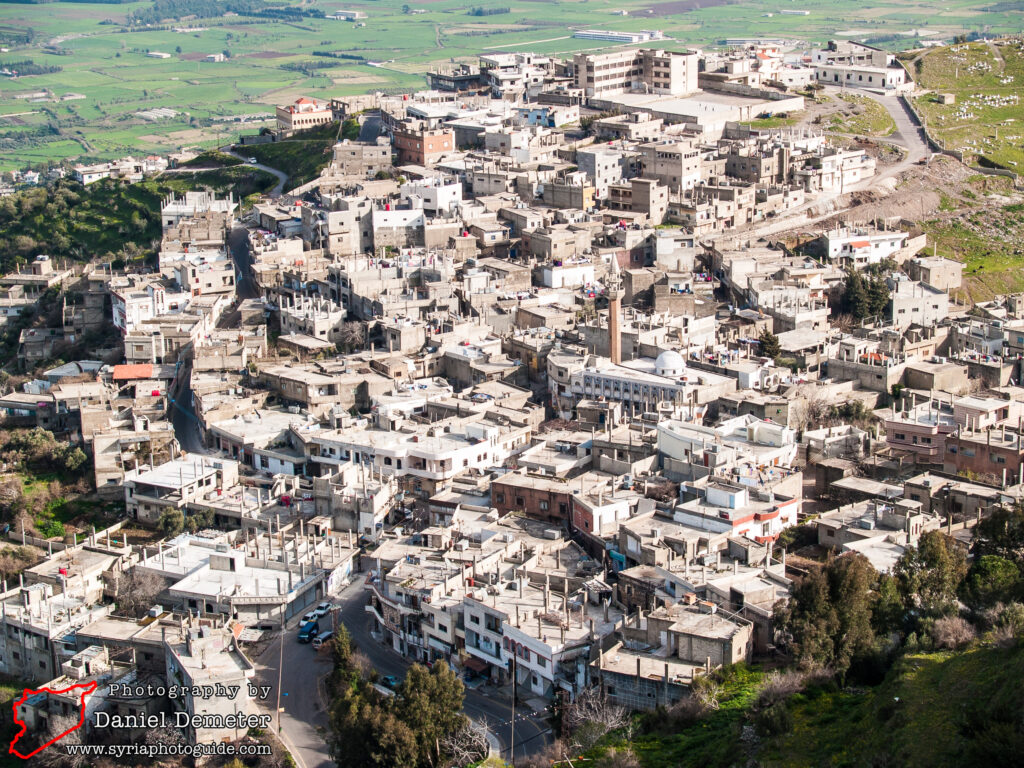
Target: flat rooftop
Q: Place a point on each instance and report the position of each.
(701, 107)
(177, 473)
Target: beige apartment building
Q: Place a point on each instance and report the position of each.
(304, 113)
(652, 71)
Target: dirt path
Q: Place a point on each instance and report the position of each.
(998, 54)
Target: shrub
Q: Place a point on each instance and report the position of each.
(952, 632)
(618, 758)
(775, 720)
(779, 686)
(48, 529)
(546, 757)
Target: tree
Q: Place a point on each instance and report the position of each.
(351, 336)
(136, 591)
(64, 757)
(1001, 533)
(172, 522)
(992, 579)
(889, 610)
(877, 295)
(827, 620)
(365, 733)
(769, 344)
(591, 715)
(855, 296)
(406, 9)
(350, 129)
(429, 702)
(929, 575)
(467, 745)
(74, 458)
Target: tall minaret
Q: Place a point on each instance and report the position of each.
(614, 286)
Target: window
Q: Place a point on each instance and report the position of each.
(500, 498)
(474, 619)
(543, 506)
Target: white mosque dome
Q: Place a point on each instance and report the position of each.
(670, 363)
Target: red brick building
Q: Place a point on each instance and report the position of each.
(540, 498)
(986, 453)
(422, 146)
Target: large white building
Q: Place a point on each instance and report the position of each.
(642, 384)
(670, 73)
(859, 247)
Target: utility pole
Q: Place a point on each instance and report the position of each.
(512, 748)
(280, 669)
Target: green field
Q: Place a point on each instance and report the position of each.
(91, 107)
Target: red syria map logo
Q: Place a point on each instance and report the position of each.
(86, 689)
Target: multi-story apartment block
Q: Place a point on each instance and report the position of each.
(648, 70)
(417, 145)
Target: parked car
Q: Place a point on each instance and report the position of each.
(389, 681)
(252, 160)
(323, 637)
(322, 610)
(311, 616)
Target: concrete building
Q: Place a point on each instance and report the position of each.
(151, 492)
(303, 114)
(361, 158)
(914, 303)
(415, 145)
(648, 70)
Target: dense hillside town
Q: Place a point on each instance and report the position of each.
(570, 380)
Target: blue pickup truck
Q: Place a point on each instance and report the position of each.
(308, 631)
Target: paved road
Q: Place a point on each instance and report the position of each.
(183, 418)
(281, 176)
(305, 712)
(908, 136)
(238, 243)
(371, 128)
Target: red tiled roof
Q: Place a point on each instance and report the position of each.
(134, 371)
(860, 243)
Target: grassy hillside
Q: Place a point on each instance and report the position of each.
(986, 80)
(302, 156)
(981, 223)
(108, 219)
(933, 710)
